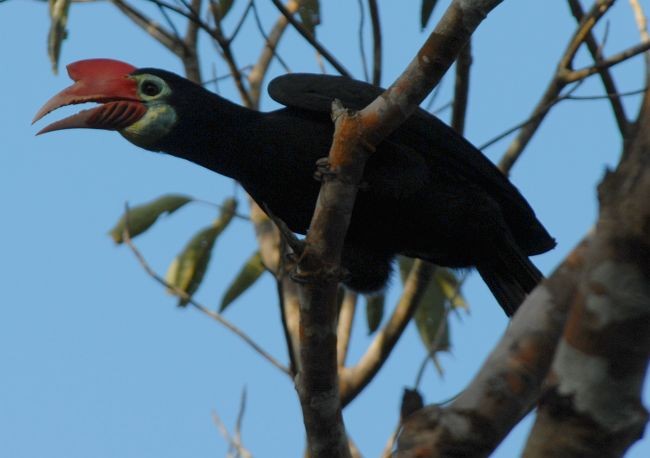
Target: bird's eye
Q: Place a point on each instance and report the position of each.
(150, 88)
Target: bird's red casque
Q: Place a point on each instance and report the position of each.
(104, 81)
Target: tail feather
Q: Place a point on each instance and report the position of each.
(510, 277)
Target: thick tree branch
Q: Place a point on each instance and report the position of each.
(508, 383)
(356, 134)
(593, 405)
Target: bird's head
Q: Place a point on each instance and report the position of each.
(137, 103)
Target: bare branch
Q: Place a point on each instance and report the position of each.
(376, 45)
(355, 136)
(596, 381)
(234, 443)
(206, 311)
(509, 381)
(356, 378)
(171, 42)
(461, 88)
(307, 35)
(344, 328)
(605, 75)
(555, 87)
(256, 76)
(622, 56)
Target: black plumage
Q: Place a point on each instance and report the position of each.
(427, 193)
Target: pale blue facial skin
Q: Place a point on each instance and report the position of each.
(159, 119)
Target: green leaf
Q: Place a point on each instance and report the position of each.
(309, 12)
(450, 286)
(374, 311)
(187, 270)
(59, 19)
(143, 216)
(430, 316)
(427, 9)
(246, 277)
(222, 8)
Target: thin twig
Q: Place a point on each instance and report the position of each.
(362, 50)
(616, 59)
(206, 311)
(376, 45)
(241, 451)
(344, 328)
(461, 88)
(554, 88)
(307, 35)
(605, 75)
(174, 44)
(538, 113)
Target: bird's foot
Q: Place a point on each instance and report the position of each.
(324, 172)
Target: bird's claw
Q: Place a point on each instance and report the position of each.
(323, 169)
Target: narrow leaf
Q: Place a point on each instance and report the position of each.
(309, 11)
(59, 19)
(222, 8)
(143, 216)
(188, 268)
(246, 277)
(427, 9)
(430, 316)
(450, 286)
(374, 311)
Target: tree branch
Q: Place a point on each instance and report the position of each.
(355, 136)
(344, 328)
(307, 35)
(596, 382)
(508, 383)
(605, 75)
(206, 311)
(376, 42)
(356, 378)
(555, 87)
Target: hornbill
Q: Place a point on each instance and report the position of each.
(427, 192)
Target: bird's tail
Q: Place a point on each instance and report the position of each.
(510, 276)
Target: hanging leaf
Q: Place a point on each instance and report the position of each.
(188, 268)
(246, 277)
(143, 216)
(59, 19)
(374, 311)
(430, 316)
(450, 286)
(427, 9)
(221, 8)
(309, 11)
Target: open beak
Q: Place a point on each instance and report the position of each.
(104, 81)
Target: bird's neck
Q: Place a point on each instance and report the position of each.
(219, 135)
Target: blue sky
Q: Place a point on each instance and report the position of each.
(97, 360)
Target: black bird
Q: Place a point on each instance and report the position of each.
(428, 192)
